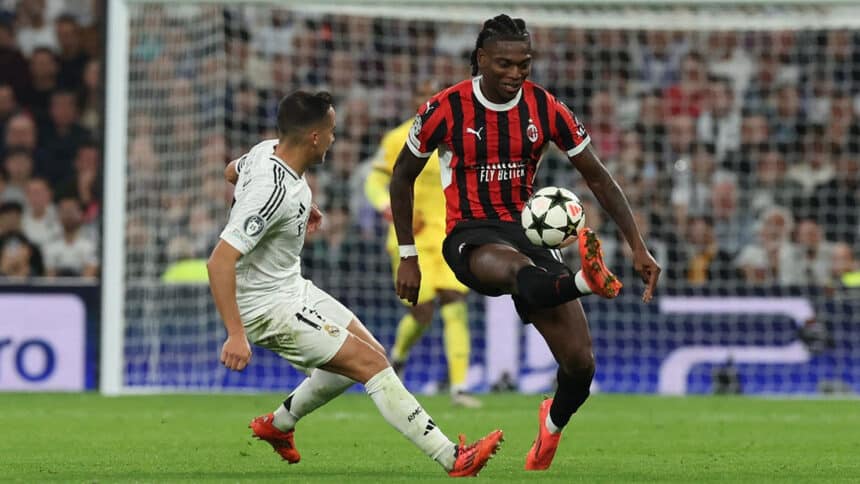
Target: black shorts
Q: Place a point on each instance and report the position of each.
(469, 234)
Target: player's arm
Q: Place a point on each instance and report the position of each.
(612, 199)
(406, 170)
(236, 352)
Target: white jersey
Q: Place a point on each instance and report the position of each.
(267, 225)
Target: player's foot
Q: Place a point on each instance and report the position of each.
(599, 278)
(470, 459)
(543, 449)
(283, 442)
(465, 400)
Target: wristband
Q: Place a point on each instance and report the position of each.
(407, 251)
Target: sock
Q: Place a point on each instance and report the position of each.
(403, 412)
(545, 289)
(550, 425)
(579, 280)
(457, 343)
(409, 331)
(314, 392)
(571, 393)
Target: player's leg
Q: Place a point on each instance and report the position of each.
(357, 360)
(411, 327)
(565, 330)
(455, 321)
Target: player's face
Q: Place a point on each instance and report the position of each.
(324, 136)
(505, 65)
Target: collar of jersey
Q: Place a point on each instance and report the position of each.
(284, 164)
(476, 88)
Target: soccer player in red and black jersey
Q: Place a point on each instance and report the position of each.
(491, 132)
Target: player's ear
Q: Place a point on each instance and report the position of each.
(483, 58)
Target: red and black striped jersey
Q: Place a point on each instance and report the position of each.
(489, 152)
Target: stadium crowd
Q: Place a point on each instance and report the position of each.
(739, 151)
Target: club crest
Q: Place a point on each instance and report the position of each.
(254, 225)
(532, 132)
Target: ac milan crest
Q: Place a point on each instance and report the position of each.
(532, 132)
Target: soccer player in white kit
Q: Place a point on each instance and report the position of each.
(256, 282)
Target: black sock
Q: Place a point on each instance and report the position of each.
(571, 393)
(545, 289)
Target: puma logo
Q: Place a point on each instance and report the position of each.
(476, 133)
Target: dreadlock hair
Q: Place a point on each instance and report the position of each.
(500, 27)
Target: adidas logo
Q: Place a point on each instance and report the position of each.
(430, 426)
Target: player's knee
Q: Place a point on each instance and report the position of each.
(579, 363)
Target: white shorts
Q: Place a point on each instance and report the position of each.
(307, 333)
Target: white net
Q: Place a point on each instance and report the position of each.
(734, 136)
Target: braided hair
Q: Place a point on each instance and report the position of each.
(500, 27)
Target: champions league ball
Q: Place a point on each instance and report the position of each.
(551, 215)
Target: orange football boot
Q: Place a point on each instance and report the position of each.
(283, 442)
(600, 279)
(473, 457)
(543, 449)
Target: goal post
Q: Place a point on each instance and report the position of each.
(192, 83)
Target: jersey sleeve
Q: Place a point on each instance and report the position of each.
(428, 129)
(253, 214)
(568, 133)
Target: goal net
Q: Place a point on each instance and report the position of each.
(733, 128)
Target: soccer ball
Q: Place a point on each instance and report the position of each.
(551, 215)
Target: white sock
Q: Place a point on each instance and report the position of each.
(550, 425)
(403, 412)
(579, 280)
(314, 392)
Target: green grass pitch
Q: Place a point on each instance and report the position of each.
(202, 438)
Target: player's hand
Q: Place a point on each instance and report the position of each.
(314, 219)
(408, 280)
(649, 269)
(236, 352)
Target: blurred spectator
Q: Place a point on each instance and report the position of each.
(8, 107)
(731, 219)
(62, 135)
(808, 261)
(651, 127)
(182, 266)
(755, 137)
(34, 28)
(43, 70)
(72, 57)
(40, 222)
(836, 204)
(86, 183)
(687, 95)
(19, 168)
(18, 257)
(603, 125)
(720, 122)
(760, 261)
(90, 98)
(73, 255)
(844, 267)
(843, 127)
(692, 180)
(15, 70)
(772, 186)
(706, 261)
(788, 124)
(728, 58)
(658, 59)
(11, 214)
(815, 167)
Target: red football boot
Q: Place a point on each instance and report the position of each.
(283, 442)
(473, 457)
(600, 279)
(543, 449)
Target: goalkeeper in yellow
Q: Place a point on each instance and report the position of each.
(438, 283)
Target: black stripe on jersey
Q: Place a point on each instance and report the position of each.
(542, 107)
(278, 194)
(439, 133)
(564, 132)
(241, 163)
(287, 168)
(457, 145)
(526, 153)
(505, 157)
(482, 159)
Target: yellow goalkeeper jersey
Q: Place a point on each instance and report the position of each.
(429, 209)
